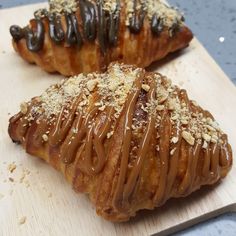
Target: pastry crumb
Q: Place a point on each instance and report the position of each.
(12, 167)
(23, 108)
(22, 178)
(27, 184)
(11, 179)
(22, 220)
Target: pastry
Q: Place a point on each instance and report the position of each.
(128, 138)
(72, 36)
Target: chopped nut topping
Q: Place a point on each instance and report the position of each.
(205, 145)
(184, 121)
(59, 6)
(110, 134)
(160, 107)
(174, 140)
(112, 90)
(45, 137)
(23, 108)
(171, 104)
(188, 138)
(91, 84)
(169, 16)
(172, 151)
(145, 87)
(162, 95)
(206, 137)
(210, 128)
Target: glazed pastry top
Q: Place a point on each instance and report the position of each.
(80, 118)
(88, 20)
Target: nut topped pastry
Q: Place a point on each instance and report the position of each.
(75, 36)
(129, 138)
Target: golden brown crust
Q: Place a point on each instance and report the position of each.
(140, 49)
(128, 138)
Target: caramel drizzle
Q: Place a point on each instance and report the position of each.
(143, 150)
(61, 128)
(88, 137)
(129, 111)
(72, 143)
(95, 138)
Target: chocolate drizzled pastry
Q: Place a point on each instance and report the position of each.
(127, 137)
(85, 35)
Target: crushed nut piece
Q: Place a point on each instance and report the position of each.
(184, 121)
(45, 137)
(205, 145)
(174, 140)
(23, 108)
(206, 137)
(145, 87)
(110, 134)
(160, 107)
(11, 179)
(210, 128)
(91, 84)
(173, 151)
(188, 138)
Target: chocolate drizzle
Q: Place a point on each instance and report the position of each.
(73, 35)
(97, 21)
(88, 15)
(35, 38)
(156, 25)
(101, 26)
(55, 28)
(16, 32)
(137, 19)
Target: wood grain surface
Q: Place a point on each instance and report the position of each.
(36, 200)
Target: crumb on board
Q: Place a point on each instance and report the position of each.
(11, 179)
(22, 220)
(12, 167)
(22, 177)
(27, 184)
(1, 196)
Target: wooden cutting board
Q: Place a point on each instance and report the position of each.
(38, 194)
